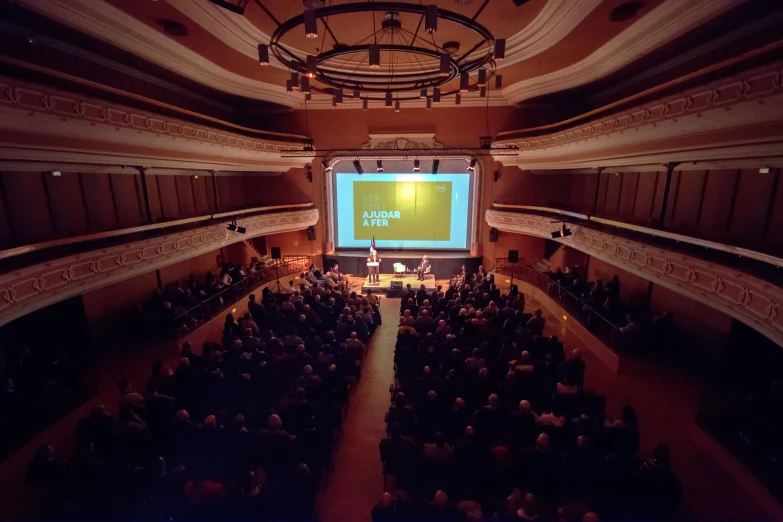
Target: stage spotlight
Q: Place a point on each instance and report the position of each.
(472, 165)
(563, 232)
(435, 165)
(241, 230)
(358, 166)
(232, 226)
(380, 165)
(326, 166)
(416, 166)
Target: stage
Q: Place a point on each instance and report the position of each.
(385, 280)
(445, 265)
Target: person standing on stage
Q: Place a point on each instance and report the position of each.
(373, 258)
(423, 266)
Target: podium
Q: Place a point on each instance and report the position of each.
(372, 271)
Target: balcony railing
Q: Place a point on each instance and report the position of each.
(207, 309)
(764, 265)
(26, 255)
(594, 320)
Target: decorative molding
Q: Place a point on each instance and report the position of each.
(744, 297)
(34, 109)
(35, 287)
(553, 23)
(741, 101)
(406, 141)
(556, 20)
(665, 23)
(106, 22)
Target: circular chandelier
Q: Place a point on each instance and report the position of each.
(391, 63)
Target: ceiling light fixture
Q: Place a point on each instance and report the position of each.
(374, 51)
(483, 91)
(389, 100)
(429, 104)
(288, 87)
(423, 93)
(365, 104)
(482, 77)
(458, 99)
(311, 24)
(416, 166)
(358, 166)
(263, 54)
(500, 49)
(295, 81)
(498, 81)
(304, 85)
(431, 19)
(435, 165)
(472, 164)
(326, 166)
(379, 164)
(397, 106)
(464, 82)
(369, 77)
(445, 65)
(338, 97)
(312, 66)
(436, 95)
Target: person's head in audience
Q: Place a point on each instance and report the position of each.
(537, 312)
(590, 517)
(629, 415)
(210, 422)
(252, 298)
(542, 442)
(494, 401)
(524, 406)
(441, 499)
(274, 423)
(660, 454)
(432, 397)
(483, 374)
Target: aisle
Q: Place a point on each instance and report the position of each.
(356, 484)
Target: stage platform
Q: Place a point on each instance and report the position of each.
(445, 265)
(384, 283)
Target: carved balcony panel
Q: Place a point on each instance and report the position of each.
(742, 296)
(35, 287)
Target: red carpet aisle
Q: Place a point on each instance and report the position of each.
(356, 484)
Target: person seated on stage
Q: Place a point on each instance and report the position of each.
(330, 281)
(422, 268)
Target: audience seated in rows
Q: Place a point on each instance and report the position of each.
(492, 406)
(242, 429)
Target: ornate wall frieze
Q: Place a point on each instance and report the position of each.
(747, 298)
(35, 287)
(404, 141)
(752, 98)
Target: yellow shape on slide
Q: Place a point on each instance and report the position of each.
(402, 210)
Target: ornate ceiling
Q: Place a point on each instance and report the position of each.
(552, 45)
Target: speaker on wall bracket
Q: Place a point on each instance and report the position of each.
(513, 256)
(311, 233)
(276, 254)
(493, 235)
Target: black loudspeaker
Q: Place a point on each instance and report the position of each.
(276, 253)
(513, 256)
(493, 235)
(395, 290)
(311, 233)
